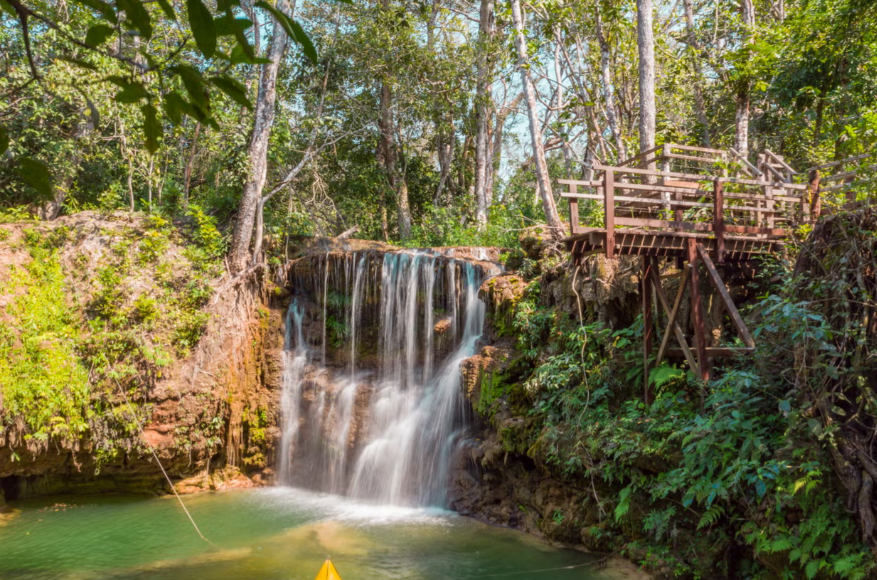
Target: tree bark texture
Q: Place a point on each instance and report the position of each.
(646, 44)
(190, 164)
(52, 209)
(483, 108)
(697, 87)
(543, 180)
(386, 153)
(257, 151)
(608, 91)
(741, 119)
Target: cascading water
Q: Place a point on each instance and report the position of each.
(380, 419)
(295, 359)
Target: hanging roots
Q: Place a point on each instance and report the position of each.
(836, 273)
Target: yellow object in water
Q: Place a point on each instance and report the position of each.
(328, 572)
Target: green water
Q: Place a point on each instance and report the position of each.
(281, 534)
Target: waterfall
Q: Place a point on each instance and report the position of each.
(355, 305)
(295, 358)
(382, 416)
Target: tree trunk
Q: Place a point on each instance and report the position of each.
(257, 152)
(444, 123)
(52, 209)
(445, 141)
(387, 158)
(190, 164)
(386, 153)
(483, 101)
(608, 96)
(496, 143)
(741, 133)
(130, 184)
(699, 104)
(404, 209)
(552, 219)
(646, 44)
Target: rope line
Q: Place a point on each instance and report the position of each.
(157, 460)
(536, 571)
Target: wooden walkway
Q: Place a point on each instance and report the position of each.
(678, 202)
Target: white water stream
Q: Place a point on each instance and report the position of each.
(384, 430)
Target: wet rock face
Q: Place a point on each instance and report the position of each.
(602, 289)
(499, 477)
(207, 410)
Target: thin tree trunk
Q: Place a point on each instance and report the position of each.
(483, 90)
(257, 152)
(741, 133)
(387, 158)
(404, 209)
(149, 172)
(699, 104)
(496, 144)
(190, 164)
(541, 166)
(608, 96)
(386, 154)
(445, 139)
(559, 102)
(52, 209)
(646, 44)
(130, 184)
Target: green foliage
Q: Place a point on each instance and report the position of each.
(208, 245)
(41, 378)
(747, 464)
(448, 226)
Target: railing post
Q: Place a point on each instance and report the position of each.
(719, 218)
(697, 315)
(573, 210)
(609, 210)
(665, 167)
(648, 327)
(771, 205)
(815, 201)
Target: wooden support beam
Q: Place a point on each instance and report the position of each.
(745, 162)
(780, 161)
(573, 211)
(671, 319)
(674, 326)
(726, 297)
(697, 313)
(646, 287)
(609, 208)
(815, 202)
(719, 219)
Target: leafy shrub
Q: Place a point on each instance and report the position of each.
(41, 378)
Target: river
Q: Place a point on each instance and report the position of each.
(268, 534)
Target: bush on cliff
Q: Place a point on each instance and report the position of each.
(763, 472)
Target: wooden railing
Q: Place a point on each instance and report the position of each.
(663, 156)
(838, 176)
(670, 156)
(690, 205)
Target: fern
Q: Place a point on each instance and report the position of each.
(710, 516)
